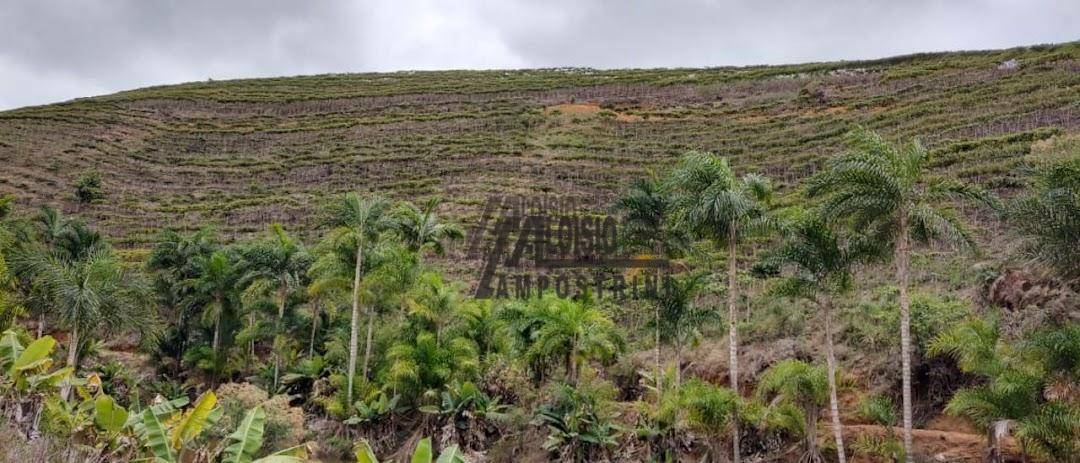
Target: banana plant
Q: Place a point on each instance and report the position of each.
(167, 433)
(26, 379)
(28, 368)
(374, 409)
(10, 349)
(423, 453)
(472, 413)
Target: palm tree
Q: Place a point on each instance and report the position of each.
(1049, 213)
(392, 271)
(816, 264)
(573, 331)
(713, 203)
(359, 221)
(434, 301)
(422, 366)
(421, 229)
(74, 274)
(65, 239)
(92, 295)
(793, 382)
(480, 322)
(276, 265)
(647, 225)
(711, 410)
(173, 261)
(1019, 392)
(50, 225)
(214, 289)
(679, 316)
(326, 288)
(886, 190)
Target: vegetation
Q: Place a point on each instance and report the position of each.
(885, 190)
(1050, 213)
(819, 266)
(234, 334)
(714, 204)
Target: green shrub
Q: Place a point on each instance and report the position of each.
(876, 323)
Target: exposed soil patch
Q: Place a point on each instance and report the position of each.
(587, 109)
(930, 444)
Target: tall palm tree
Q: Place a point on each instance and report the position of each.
(816, 264)
(276, 265)
(93, 294)
(214, 289)
(646, 210)
(886, 190)
(359, 221)
(329, 285)
(173, 261)
(391, 271)
(421, 229)
(713, 203)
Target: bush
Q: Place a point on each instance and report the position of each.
(876, 323)
(580, 421)
(88, 187)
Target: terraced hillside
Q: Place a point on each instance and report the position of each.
(247, 152)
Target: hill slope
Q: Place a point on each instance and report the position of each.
(247, 152)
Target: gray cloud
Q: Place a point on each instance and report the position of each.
(60, 49)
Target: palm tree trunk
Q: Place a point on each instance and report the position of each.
(251, 327)
(277, 332)
(659, 374)
(41, 325)
(678, 362)
(367, 345)
(181, 324)
(812, 453)
(217, 336)
(830, 361)
(72, 357)
(73, 346)
(314, 325)
(354, 326)
(733, 337)
(902, 276)
(214, 346)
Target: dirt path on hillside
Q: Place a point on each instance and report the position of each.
(931, 444)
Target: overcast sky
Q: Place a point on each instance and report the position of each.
(54, 50)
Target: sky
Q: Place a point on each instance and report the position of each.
(55, 50)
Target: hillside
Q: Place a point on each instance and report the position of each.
(689, 315)
(244, 153)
